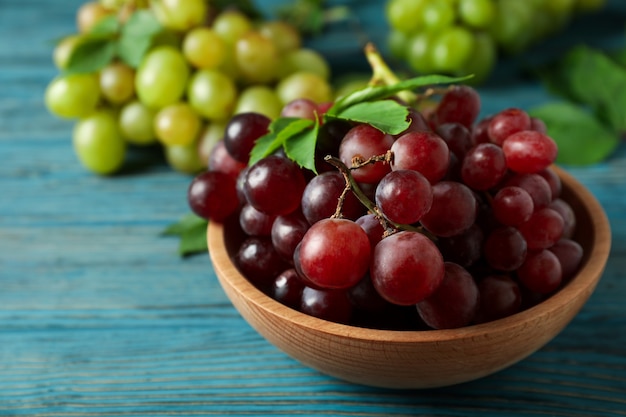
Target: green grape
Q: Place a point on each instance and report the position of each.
(229, 64)
(212, 133)
(451, 49)
(177, 124)
(64, 49)
(89, 14)
(282, 34)
(259, 99)
(419, 52)
(398, 44)
(511, 25)
(304, 59)
(304, 85)
(482, 60)
(477, 13)
(161, 77)
(74, 95)
(184, 158)
(256, 58)
(405, 15)
(98, 143)
(136, 123)
(231, 25)
(437, 15)
(112, 4)
(117, 82)
(203, 48)
(180, 15)
(212, 94)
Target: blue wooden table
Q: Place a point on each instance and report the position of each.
(100, 317)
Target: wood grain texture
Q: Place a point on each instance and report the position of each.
(98, 317)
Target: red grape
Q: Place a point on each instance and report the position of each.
(335, 253)
(406, 268)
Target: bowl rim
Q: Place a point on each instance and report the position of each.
(584, 281)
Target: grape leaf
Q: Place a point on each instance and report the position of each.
(300, 147)
(106, 27)
(192, 232)
(592, 78)
(380, 92)
(280, 131)
(581, 138)
(91, 55)
(386, 115)
(137, 36)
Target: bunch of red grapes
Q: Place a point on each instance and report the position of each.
(455, 221)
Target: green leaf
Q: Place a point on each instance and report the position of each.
(300, 148)
(137, 37)
(279, 131)
(380, 92)
(188, 221)
(192, 232)
(581, 138)
(388, 116)
(193, 241)
(108, 26)
(91, 55)
(592, 78)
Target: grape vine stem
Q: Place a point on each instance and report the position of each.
(351, 185)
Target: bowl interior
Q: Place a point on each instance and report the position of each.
(418, 359)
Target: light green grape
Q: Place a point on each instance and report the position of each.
(89, 14)
(162, 77)
(451, 49)
(112, 4)
(180, 15)
(304, 85)
(419, 52)
(437, 15)
(74, 95)
(405, 15)
(203, 48)
(184, 158)
(477, 13)
(282, 34)
(256, 57)
(482, 60)
(512, 25)
(177, 124)
(117, 82)
(212, 133)
(398, 43)
(136, 123)
(259, 99)
(98, 143)
(231, 25)
(212, 94)
(304, 59)
(64, 49)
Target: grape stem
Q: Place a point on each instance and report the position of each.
(382, 74)
(351, 185)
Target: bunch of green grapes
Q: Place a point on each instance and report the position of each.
(465, 36)
(205, 66)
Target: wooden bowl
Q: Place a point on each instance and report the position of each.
(422, 359)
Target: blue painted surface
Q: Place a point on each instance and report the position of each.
(99, 317)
